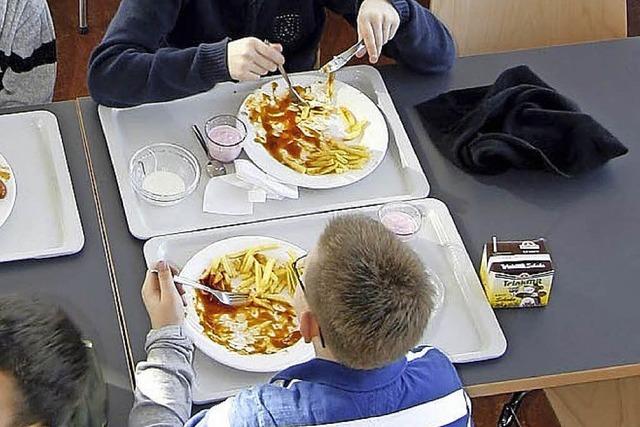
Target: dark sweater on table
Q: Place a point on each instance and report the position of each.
(161, 50)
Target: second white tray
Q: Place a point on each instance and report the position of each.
(398, 177)
(465, 328)
(45, 220)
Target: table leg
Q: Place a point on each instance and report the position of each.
(83, 26)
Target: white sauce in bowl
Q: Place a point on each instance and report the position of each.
(163, 183)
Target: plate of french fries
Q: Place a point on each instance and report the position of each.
(338, 137)
(7, 190)
(263, 335)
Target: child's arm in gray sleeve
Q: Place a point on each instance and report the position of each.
(163, 381)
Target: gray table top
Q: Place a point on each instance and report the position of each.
(591, 222)
(79, 283)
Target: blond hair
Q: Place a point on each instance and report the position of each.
(369, 292)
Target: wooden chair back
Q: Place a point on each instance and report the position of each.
(485, 26)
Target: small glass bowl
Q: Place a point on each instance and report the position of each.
(164, 157)
(403, 219)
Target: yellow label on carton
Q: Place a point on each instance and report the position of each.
(516, 273)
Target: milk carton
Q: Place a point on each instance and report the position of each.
(516, 273)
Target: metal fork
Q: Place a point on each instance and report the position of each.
(233, 299)
(296, 96)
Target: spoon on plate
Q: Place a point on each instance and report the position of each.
(213, 167)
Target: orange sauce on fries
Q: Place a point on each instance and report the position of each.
(272, 330)
(296, 135)
(272, 118)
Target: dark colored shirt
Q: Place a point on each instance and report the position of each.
(157, 51)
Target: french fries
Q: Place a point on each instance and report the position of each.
(304, 144)
(268, 323)
(5, 175)
(251, 271)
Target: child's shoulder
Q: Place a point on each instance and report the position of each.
(282, 403)
(432, 366)
(428, 354)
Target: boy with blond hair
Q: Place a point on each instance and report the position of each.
(364, 301)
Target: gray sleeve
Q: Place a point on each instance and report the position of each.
(163, 381)
(27, 42)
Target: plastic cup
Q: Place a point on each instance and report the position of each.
(225, 135)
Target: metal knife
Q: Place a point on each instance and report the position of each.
(341, 60)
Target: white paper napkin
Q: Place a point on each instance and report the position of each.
(221, 197)
(249, 173)
(233, 179)
(257, 195)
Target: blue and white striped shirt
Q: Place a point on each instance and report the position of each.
(422, 389)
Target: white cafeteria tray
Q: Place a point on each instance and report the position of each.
(465, 327)
(399, 177)
(45, 220)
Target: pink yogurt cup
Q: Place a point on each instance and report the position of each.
(225, 135)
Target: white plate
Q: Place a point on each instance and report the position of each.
(375, 137)
(6, 204)
(297, 353)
